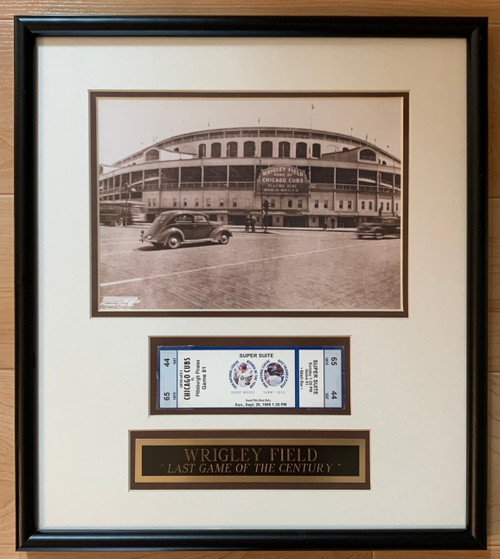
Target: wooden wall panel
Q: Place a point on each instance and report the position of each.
(494, 461)
(494, 286)
(492, 554)
(7, 509)
(6, 108)
(6, 282)
(489, 8)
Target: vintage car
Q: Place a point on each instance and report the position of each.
(118, 213)
(171, 229)
(380, 227)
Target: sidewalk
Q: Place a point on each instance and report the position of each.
(258, 229)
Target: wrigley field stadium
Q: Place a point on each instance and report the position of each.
(304, 177)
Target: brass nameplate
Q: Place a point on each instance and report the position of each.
(249, 460)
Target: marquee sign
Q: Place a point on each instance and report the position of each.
(283, 179)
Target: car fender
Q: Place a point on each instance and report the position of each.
(162, 236)
(216, 233)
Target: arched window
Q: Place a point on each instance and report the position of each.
(232, 149)
(301, 149)
(266, 149)
(215, 150)
(202, 150)
(284, 149)
(367, 155)
(249, 149)
(316, 150)
(152, 155)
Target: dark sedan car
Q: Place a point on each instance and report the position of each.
(171, 229)
(381, 227)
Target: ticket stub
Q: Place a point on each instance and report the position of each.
(251, 378)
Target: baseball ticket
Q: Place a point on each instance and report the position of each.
(250, 378)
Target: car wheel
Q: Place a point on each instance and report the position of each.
(360, 236)
(119, 222)
(174, 241)
(224, 238)
(379, 235)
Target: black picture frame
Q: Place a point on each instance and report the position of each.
(27, 31)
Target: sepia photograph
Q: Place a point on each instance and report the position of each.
(245, 203)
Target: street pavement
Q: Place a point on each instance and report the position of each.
(282, 269)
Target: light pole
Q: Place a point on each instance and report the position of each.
(179, 177)
(263, 225)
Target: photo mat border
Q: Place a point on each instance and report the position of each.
(28, 535)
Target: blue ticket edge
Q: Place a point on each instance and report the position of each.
(250, 348)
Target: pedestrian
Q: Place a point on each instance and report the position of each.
(252, 223)
(325, 223)
(248, 222)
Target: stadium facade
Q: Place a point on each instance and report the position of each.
(309, 178)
